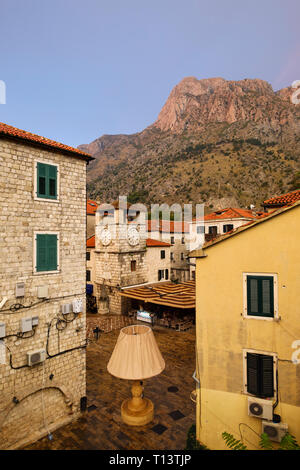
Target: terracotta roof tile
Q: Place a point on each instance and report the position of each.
(91, 207)
(231, 213)
(250, 224)
(90, 243)
(279, 201)
(10, 131)
(152, 242)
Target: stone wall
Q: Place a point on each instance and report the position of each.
(34, 400)
(113, 266)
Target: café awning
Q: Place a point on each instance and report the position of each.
(168, 294)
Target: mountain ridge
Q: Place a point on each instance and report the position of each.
(199, 124)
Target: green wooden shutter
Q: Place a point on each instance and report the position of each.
(252, 294)
(41, 180)
(267, 376)
(46, 181)
(260, 375)
(253, 373)
(52, 252)
(52, 181)
(267, 296)
(260, 296)
(46, 252)
(41, 253)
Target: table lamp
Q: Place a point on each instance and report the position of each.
(136, 357)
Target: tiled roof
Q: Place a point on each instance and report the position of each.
(231, 213)
(250, 224)
(151, 242)
(283, 200)
(91, 207)
(10, 131)
(90, 243)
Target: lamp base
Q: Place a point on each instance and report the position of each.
(137, 418)
(137, 411)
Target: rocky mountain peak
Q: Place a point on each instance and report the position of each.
(193, 103)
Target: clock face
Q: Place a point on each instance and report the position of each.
(105, 237)
(133, 236)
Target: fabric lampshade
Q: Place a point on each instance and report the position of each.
(136, 355)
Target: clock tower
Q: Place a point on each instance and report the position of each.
(119, 254)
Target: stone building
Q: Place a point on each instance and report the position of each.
(42, 280)
(90, 263)
(176, 234)
(119, 256)
(91, 208)
(158, 260)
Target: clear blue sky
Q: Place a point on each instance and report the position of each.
(77, 69)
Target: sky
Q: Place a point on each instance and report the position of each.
(75, 70)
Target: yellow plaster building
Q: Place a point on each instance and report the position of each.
(248, 331)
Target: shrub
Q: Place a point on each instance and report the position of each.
(191, 441)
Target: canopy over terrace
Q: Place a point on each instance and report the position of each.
(168, 294)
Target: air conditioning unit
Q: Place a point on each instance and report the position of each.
(35, 357)
(260, 408)
(275, 431)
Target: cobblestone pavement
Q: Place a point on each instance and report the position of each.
(100, 426)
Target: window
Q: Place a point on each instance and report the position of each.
(88, 256)
(227, 228)
(166, 274)
(46, 184)
(213, 230)
(259, 300)
(162, 254)
(172, 241)
(160, 274)
(260, 376)
(182, 240)
(133, 265)
(46, 252)
(200, 229)
(182, 256)
(171, 256)
(88, 275)
(193, 275)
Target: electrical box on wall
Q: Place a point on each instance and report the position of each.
(66, 308)
(2, 352)
(77, 306)
(26, 324)
(42, 292)
(2, 330)
(20, 289)
(35, 321)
